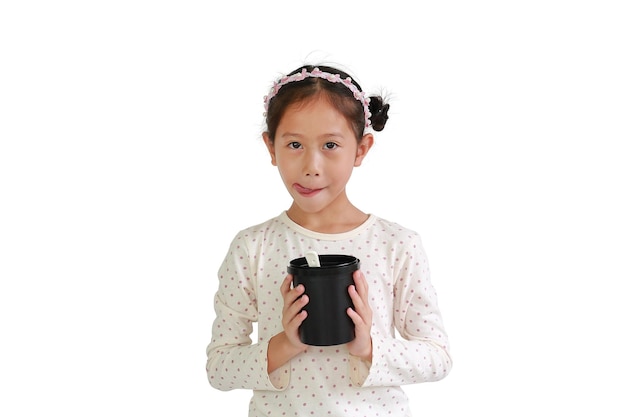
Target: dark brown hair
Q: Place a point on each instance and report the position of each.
(337, 94)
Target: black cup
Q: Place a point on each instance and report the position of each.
(327, 322)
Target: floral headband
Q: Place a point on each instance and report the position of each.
(333, 78)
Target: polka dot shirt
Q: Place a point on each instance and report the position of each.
(327, 380)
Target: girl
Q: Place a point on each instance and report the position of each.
(319, 125)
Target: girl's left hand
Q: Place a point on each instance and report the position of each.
(361, 315)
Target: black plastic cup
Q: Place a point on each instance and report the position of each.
(327, 322)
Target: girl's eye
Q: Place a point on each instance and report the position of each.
(330, 145)
(295, 145)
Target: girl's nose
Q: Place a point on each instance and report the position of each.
(312, 164)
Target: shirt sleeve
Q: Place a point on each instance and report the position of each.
(233, 362)
(422, 352)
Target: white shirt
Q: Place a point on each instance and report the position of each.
(327, 381)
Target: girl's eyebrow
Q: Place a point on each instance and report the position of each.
(291, 134)
(323, 136)
(332, 135)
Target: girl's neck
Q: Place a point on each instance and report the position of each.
(328, 221)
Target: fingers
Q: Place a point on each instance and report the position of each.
(359, 291)
(362, 313)
(294, 301)
(361, 284)
(293, 308)
(286, 285)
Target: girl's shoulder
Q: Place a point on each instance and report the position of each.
(269, 226)
(391, 229)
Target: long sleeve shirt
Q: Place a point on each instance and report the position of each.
(327, 380)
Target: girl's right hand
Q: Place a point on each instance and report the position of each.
(293, 315)
(286, 344)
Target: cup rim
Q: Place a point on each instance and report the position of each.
(333, 261)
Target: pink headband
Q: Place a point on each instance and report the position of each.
(333, 78)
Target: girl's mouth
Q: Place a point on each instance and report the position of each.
(304, 191)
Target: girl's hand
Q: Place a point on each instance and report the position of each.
(361, 315)
(293, 315)
(286, 344)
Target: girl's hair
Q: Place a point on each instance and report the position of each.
(340, 96)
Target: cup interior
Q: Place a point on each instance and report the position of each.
(326, 262)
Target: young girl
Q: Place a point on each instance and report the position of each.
(319, 125)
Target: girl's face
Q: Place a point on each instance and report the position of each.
(315, 151)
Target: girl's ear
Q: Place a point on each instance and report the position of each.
(363, 148)
(270, 147)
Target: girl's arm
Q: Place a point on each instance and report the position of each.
(233, 362)
(422, 354)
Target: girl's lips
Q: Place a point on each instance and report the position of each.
(306, 192)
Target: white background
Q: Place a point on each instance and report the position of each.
(130, 155)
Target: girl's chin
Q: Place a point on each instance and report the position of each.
(306, 206)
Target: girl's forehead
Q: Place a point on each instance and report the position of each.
(315, 129)
(313, 112)
(320, 99)
(315, 116)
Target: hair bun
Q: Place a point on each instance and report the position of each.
(379, 110)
